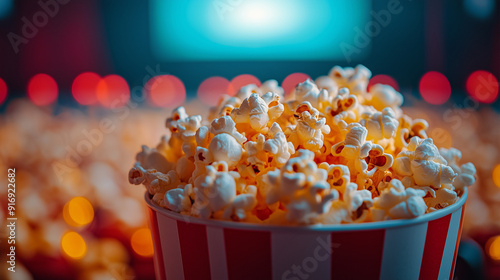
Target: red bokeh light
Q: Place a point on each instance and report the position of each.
(435, 88)
(113, 91)
(42, 90)
(292, 80)
(241, 81)
(84, 88)
(383, 79)
(166, 91)
(211, 90)
(3, 91)
(482, 86)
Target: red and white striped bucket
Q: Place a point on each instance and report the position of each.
(193, 248)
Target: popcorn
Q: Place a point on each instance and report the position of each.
(385, 96)
(155, 182)
(332, 153)
(338, 176)
(179, 199)
(301, 187)
(357, 202)
(213, 192)
(381, 125)
(253, 111)
(325, 82)
(441, 198)
(355, 79)
(272, 86)
(226, 144)
(278, 147)
(183, 129)
(310, 128)
(466, 172)
(424, 164)
(396, 202)
(309, 92)
(362, 157)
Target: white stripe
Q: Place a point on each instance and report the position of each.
(449, 248)
(305, 250)
(403, 252)
(217, 253)
(171, 247)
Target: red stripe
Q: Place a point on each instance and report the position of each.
(435, 240)
(194, 250)
(458, 242)
(363, 262)
(248, 254)
(160, 267)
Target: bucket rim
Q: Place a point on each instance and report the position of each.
(310, 228)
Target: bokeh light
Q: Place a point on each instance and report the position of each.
(142, 242)
(480, 9)
(482, 86)
(113, 91)
(211, 90)
(165, 91)
(292, 80)
(5, 8)
(42, 90)
(493, 248)
(383, 79)
(73, 245)
(3, 91)
(84, 88)
(78, 212)
(241, 81)
(496, 175)
(435, 88)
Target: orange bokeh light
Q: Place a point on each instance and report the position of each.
(42, 90)
(113, 91)
(482, 86)
(84, 88)
(166, 91)
(496, 175)
(142, 242)
(435, 88)
(292, 80)
(78, 212)
(493, 248)
(73, 245)
(211, 90)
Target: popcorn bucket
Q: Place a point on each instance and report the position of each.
(193, 248)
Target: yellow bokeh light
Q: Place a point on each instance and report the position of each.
(493, 248)
(496, 175)
(73, 245)
(78, 212)
(142, 242)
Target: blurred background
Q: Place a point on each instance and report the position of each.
(83, 84)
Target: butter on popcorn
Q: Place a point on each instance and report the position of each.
(330, 152)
